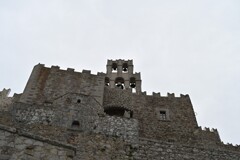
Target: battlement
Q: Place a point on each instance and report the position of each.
(120, 62)
(169, 95)
(4, 93)
(210, 130)
(230, 146)
(72, 70)
(55, 68)
(5, 100)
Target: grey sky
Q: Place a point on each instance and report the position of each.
(188, 46)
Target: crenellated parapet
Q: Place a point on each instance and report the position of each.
(207, 136)
(5, 100)
(4, 93)
(169, 95)
(230, 146)
(210, 137)
(208, 130)
(72, 70)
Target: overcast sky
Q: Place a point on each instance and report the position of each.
(188, 46)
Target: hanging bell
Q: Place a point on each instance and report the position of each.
(119, 85)
(132, 85)
(125, 69)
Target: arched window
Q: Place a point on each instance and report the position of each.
(119, 83)
(133, 84)
(125, 67)
(114, 67)
(107, 81)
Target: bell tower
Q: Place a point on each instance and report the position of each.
(120, 75)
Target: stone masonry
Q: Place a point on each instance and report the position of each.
(69, 115)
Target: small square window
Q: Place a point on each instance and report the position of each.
(163, 115)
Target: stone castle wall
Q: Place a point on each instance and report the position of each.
(87, 112)
(124, 128)
(30, 114)
(159, 150)
(63, 114)
(18, 146)
(180, 125)
(47, 84)
(180, 120)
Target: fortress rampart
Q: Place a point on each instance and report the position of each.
(64, 114)
(46, 84)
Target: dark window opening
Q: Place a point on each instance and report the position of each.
(107, 81)
(125, 67)
(133, 84)
(79, 101)
(115, 112)
(75, 124)
(131, 114)
(163, 115)
(119, 112)
(114, 67)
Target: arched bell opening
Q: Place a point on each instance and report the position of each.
(119, 112)
(125, 67)
(119, 83)
(114, 67)
(107, 81)
(133, 84)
